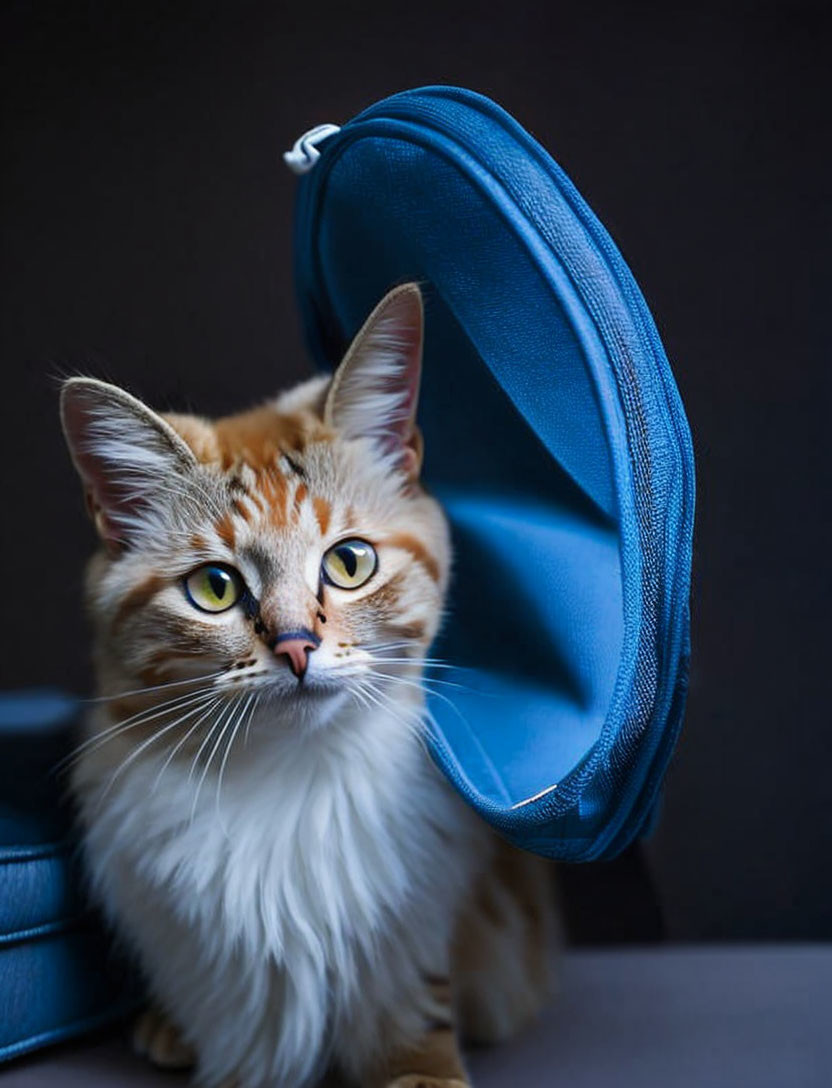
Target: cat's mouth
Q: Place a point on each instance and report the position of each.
(281, 684)
(362, 676)
(313, 686)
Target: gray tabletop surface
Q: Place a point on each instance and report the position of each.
(692, 1017)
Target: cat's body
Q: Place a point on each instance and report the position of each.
(262, 822)
(313, 896)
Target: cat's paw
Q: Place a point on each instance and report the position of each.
(158, 1040)
(418, 1080)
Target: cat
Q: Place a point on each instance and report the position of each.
(261, 820)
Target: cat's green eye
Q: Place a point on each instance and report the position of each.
(349, 564)
(213, 588)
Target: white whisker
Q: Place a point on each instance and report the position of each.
(415, 723)
(155, 687)
(257, 699)
(184, 740)
(233, 704)
(424, 682)
(426, 661)
(141, 717)
(238, 722)
(125, 763)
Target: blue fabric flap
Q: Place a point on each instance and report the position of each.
(556, 437)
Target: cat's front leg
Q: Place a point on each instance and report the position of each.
(432, 1061)
(158, 1039)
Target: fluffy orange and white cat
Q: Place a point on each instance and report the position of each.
(261, 820)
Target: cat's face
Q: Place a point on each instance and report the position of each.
(286, 553)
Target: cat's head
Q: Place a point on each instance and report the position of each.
(288, 551)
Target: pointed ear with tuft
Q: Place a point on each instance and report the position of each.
(375, 391)
(123, 452)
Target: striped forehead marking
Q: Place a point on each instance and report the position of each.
(323, 513)
(271, 496)
(225, 531)
(300, 495)
(242, 510)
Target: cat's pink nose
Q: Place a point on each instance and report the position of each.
(295, 647)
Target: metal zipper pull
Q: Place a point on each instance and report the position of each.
(305, 153)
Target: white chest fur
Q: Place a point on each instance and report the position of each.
(287, 918)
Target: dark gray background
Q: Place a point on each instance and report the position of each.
(146, 223)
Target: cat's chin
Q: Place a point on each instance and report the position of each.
(303, 712)
(315, 700)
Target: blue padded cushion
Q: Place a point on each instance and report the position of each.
(555, 437)
(57, 975)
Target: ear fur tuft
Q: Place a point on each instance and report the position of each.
(374, 393)
(122, 451)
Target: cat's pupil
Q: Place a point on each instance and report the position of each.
(349, 559)
(218, 580)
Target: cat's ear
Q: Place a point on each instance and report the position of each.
(375, 391)
(123, 452)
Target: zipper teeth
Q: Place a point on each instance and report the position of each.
(644, 686)
(648, 673)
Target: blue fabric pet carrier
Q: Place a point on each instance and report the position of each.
(556, 439)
